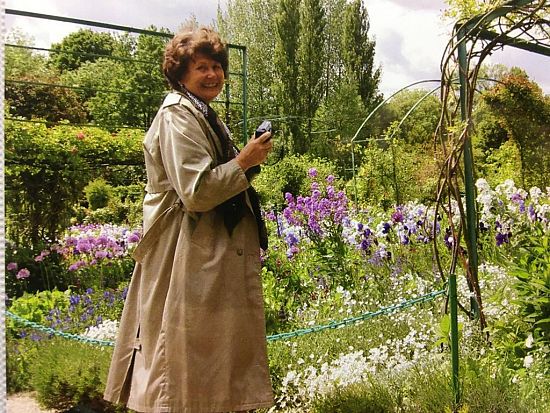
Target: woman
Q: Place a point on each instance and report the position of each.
(192, 334)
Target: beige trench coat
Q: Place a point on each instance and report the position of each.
(192, 334)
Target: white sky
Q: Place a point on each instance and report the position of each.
(410, 36)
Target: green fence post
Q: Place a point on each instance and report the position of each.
(454, 338)
(469, 186)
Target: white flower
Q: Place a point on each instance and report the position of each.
(107, 330)
(529, 341)
(527, 361)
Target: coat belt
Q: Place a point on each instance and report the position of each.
(152, 236)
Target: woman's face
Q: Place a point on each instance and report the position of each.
(204, 77)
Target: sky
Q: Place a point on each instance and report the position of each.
(410, 34)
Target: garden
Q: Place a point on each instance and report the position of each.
(355, 303)
(365, 236)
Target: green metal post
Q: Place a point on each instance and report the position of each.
(245, 91)
(471, 214)
(454, 338)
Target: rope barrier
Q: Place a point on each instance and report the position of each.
(282, 336)
(352, 320)
(55, 332)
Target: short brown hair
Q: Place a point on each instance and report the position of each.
(180, 51)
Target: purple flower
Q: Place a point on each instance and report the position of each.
(102, 240)
(74, 299)
(77, 265)
(397, 216)
(330, 179)
(289, 198)
(502, 238)
(90, 291)
(23, 273)
(35, 337)
(364, 245)
(71, 241)
(12, 266)
(312, 172)
(84, 246)
(101, 254)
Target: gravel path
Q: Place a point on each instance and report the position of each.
(24, 403)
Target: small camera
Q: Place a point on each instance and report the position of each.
(264, 127)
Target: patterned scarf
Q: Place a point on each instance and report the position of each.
(234, 208)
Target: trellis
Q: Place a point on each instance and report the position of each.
(518, 23)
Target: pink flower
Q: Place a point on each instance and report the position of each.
(23, 273)
(12, 266)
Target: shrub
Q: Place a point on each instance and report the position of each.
(20, 356)
(98, 193)
(289, 175)
(65, 158)
(69, 374)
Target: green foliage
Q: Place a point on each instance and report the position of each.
(244, 25)
(358, 53)
(98, 193)
(68, 374)
(146, 80)
(36, 307)
(532, 270)
(79, 47)
(27, 91)
(394, 173)
(519, 107)
(338, 118)
(372, 396)
(288, 175)
(287, 38)
(106, 86)
(419, 125)
(311, 61)
(64, 158)
(501, 164)
(20, 356)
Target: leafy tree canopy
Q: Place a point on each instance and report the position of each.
(82, 46)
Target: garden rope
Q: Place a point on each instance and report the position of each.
(282, 336)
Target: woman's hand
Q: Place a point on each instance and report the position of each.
(255, 151)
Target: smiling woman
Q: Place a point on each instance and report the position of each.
(192, 334)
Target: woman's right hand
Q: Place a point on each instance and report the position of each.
(255, 151)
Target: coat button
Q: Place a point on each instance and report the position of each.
(240, 251)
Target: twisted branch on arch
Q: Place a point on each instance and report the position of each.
(519, 23)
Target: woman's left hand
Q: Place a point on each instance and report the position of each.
(255, 151)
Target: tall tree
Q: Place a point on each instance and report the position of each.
(523, 111)
(311, 60)
(82, 46)
(287, 23)
(249, 23)
(146, 79)
(358, 53)
(27, 91)
(334, 10)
